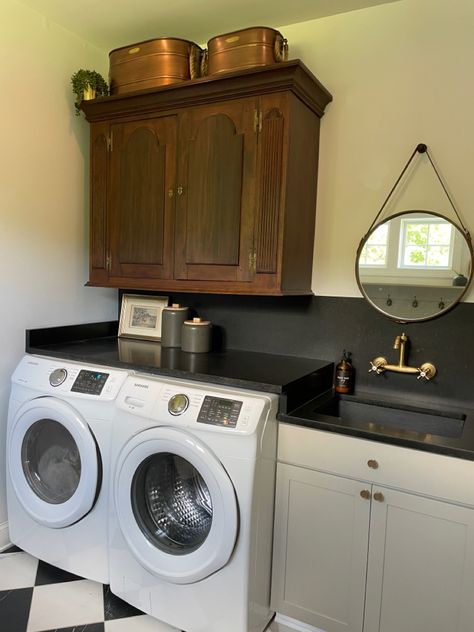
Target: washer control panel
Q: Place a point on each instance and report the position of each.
(219, 411)
(195, 405)
(90, 382)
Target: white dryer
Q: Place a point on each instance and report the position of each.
(192, 504)
(58, 459)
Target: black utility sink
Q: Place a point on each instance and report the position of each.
(357, 411)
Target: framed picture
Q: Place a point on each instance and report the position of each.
(140, 316)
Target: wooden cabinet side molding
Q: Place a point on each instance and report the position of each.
(207, 185)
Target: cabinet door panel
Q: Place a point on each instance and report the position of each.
(143, 168)
(421, 566)
(320, 549)
(215, 207)
(214, 191)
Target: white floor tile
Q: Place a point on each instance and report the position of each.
(17, 570)
(66, 605)
(143, 623)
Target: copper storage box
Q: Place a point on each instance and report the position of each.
(257, 46)
(153, 63)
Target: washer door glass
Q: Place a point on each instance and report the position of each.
(54, 463)
(176, 505)
(51, 461)
(172, 503)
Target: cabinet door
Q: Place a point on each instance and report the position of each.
(421, 565)
(320, 549)
(216, 192)
(141, 205)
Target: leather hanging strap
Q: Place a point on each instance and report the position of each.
(421, 148)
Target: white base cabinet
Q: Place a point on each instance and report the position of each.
(320, 549)
(363, 553)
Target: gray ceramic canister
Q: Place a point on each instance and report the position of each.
(196, 336)
(172, 320)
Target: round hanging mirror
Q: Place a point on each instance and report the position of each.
(414, 266)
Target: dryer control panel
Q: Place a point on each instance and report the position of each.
(91, 382)
(52, 376)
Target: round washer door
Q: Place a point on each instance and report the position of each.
(175, 504)
(53, 462)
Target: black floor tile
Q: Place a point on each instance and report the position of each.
(12, 549)
(15, 609)
(47, 574)
(115, 608)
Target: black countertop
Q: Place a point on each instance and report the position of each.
(295, 379)
(441, 426)
(303, 384)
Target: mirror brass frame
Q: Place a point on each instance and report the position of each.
(363, 241)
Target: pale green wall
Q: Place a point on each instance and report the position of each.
(43, 191)
(400, 74)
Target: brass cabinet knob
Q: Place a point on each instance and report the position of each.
(373, 464)
(180, 190)
(365, 494)
(170, 193)
(379, 497)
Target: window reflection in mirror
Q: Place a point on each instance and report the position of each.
(414, 266)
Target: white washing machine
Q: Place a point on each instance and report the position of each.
(58, 460)
(192, 504)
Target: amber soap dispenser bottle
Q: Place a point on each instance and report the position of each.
(344, 378)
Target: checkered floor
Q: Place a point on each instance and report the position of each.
(38, 597)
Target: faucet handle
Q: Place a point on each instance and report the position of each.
(427, 371)
(378, 365)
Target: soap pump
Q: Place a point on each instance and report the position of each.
(344, 378)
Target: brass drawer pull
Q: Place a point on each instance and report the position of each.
(379, 497)
(373, 464)
(365, 494)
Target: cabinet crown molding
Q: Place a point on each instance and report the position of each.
(291, 76)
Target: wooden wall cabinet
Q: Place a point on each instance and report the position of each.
(207, 185)
(359, 549)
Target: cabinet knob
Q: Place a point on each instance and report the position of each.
(373, 464)
(180, 190)
(170, 193)
(365, 494)
(379, 497)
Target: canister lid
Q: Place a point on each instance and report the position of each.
(176, 307)
(197, 321)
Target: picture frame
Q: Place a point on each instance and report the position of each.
(140, 316)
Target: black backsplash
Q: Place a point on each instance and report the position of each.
(321, 327)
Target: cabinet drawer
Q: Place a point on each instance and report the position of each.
(419, 472)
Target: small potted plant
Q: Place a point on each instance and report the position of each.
(87, 84)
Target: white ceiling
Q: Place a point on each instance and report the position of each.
(114, 23)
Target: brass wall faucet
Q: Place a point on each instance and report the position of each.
(380, 364)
